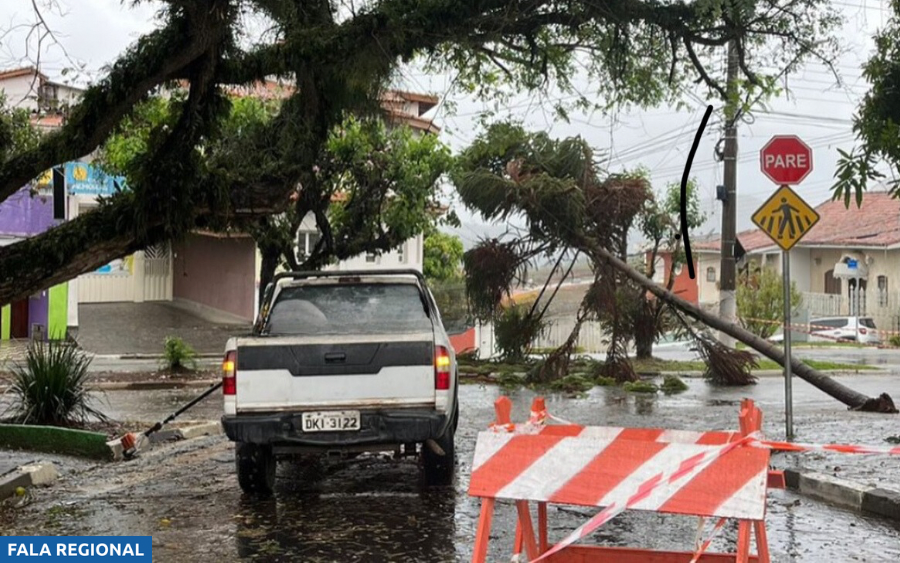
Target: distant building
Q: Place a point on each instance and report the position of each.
(683, 286)
(46, 100)
(848, 263)
(50, 312)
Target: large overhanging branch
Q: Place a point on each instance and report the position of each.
(72, 248)
(369, 43)
(129, 221)
(154, 59)
(101, 236)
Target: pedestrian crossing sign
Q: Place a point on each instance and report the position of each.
(785, 217)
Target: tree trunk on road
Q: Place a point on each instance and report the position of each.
(645, 330)
(843, 394)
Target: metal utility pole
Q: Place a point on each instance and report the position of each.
(788, 372)
(727, 300)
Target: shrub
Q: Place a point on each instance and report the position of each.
(50, 388)
(895, 340)
(509, 380)
(640, 387)
(573, 383)
(603, 381)
(178, 354)
(515, 330)
(673, 384)
(760, 300)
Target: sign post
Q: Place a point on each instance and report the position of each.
(786, 218)
(788, 373)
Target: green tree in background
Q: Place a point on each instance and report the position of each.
(760, 300)
(365, 166)
(16, 132)
(443, 256)
(877, 120)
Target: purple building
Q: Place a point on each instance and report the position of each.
(24, 214)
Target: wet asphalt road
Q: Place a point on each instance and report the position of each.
(374, 509)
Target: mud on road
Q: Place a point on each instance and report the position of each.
(376, 509)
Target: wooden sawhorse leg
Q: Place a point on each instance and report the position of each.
(483, 534)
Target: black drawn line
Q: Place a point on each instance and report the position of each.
(684, 180)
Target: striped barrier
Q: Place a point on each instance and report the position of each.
(707, 474)
(702, 547)
(703, 474)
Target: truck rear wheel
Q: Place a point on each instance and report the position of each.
(439, 468)
(255, 468)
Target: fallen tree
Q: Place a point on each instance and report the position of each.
(849, 397)
(570, 204)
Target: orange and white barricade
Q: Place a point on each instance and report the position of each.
(704, 474)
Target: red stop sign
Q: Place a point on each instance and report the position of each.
(786, 159)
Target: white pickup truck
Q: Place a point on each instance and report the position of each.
(342, 363)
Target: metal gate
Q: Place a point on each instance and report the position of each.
(157, 281)
(144, 276)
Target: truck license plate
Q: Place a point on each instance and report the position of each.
(330, 421)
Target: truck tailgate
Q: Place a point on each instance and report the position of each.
(295, 373)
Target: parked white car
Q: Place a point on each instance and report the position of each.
(832, 329)
(341, 363)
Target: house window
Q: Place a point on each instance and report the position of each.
(370, 258)
(710, 274)
(882, 291)
(659, 270)
(401, 253)
(832, 284)
(306, 243)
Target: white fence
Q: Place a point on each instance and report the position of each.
(150, 279)
(591, 338)
(883, 307)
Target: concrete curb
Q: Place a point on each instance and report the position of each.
(204, 356)
(140, 385)
(27, 476)
(855, 496)
(54, 439)
(145, 385)
(778, 372)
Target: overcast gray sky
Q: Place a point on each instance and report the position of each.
(96, 31)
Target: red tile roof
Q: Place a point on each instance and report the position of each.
(425, 101)
(875, 224)
(392, 101)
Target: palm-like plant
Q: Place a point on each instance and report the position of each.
(51, 386)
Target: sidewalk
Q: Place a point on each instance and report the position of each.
(12, 351)
(118, 329)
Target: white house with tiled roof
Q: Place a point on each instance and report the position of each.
(46, 100)
(848, 263)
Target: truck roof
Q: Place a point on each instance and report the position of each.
(336, 280)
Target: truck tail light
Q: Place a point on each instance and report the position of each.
(229, 371)
(441, 368)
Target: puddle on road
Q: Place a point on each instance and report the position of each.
(373, 508)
